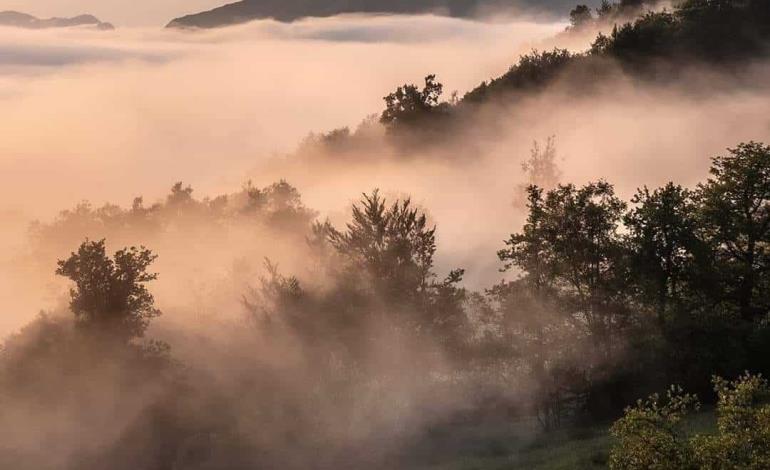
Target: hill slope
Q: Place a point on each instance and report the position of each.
(290, 10)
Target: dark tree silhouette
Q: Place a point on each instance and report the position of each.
(408, 104)
(662, 235)
(736, 216)
(580, 16)
(393, 244)
(571, 241)
(110, 295)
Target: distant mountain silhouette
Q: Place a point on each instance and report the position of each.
(23, 20)
(290, 10)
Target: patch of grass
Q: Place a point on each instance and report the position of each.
(519, 445)
(523, 445)
(583, 448)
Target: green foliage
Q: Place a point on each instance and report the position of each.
(743, 424)
(651, 436)
(110, 295)
(414, 117)
(651, 45)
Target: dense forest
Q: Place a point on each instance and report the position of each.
(342, 345)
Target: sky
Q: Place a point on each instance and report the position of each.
(119, 12)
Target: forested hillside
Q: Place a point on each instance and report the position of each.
(658, 47)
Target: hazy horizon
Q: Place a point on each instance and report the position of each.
(156, 13)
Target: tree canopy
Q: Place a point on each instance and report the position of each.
(110, 295)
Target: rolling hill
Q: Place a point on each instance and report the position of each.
(290, 10)
(23, 20)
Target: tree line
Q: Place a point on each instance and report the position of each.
(654, 46)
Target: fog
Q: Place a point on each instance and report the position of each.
(97, 116)
(106, 117)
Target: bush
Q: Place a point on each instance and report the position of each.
(651, 435)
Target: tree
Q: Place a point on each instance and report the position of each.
(283, 208)
(743, 425)
(110, 296)
(180, 195)
(735, 215)
(722, 29)
(662, 236)
(651, 36)
(394, 245)
(651, 434)
(571, 242)
(580, 16)
(408, 103)
(377, 271)
(541, 169)
(713, 30)
(605, 8)
(633, 3)
(571, 296)
(532, 73)
(414, 117)
(535, 328)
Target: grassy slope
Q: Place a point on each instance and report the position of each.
(511, 446)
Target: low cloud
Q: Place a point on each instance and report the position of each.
(217, 108)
